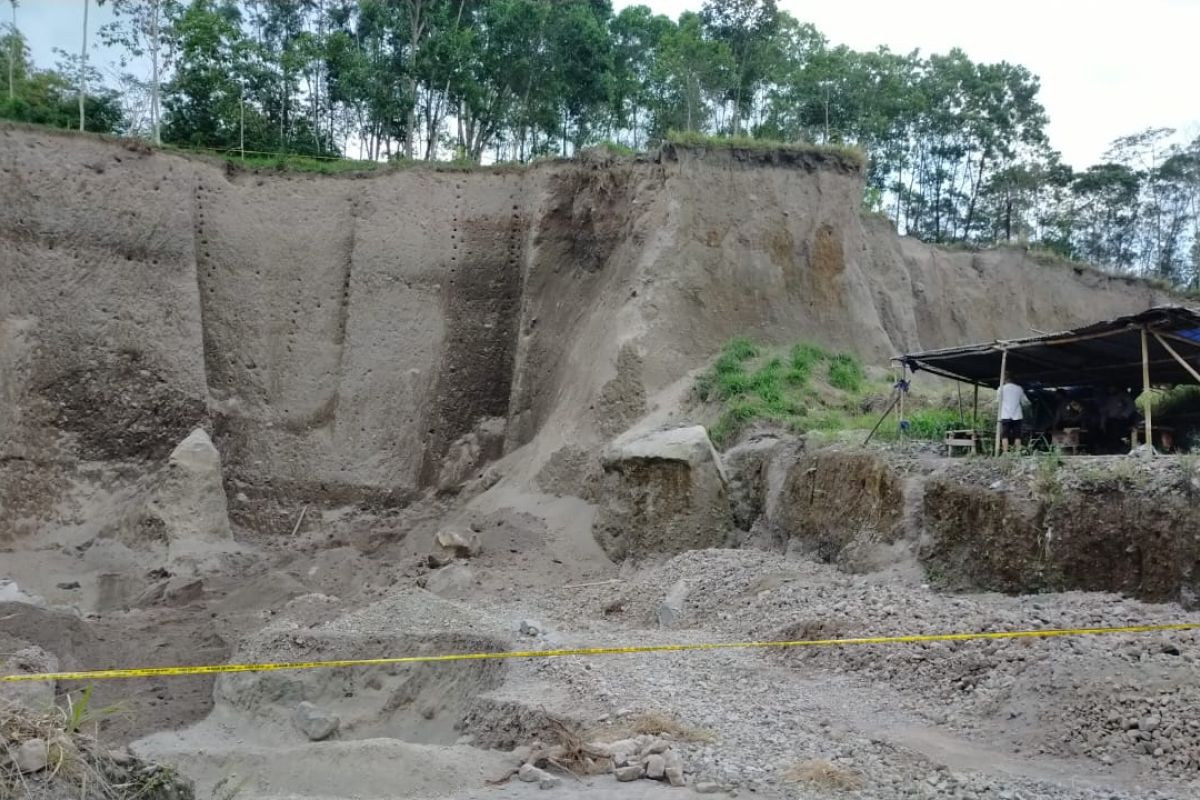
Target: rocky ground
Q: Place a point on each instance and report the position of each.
(1074, 717)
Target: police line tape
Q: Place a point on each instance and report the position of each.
(217, 669)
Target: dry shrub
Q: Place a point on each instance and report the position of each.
(824, 774)
(568, 752)
(652, 723)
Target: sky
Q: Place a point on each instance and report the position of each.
(1108, 68)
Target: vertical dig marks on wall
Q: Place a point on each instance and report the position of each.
(481, 300)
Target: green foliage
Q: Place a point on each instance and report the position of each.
(846, 373)
(754, 383)
(1047, 486)
(931, 424)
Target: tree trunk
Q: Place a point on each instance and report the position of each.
(83, 66)
(12, 52)
(974, 195)
(154, 90)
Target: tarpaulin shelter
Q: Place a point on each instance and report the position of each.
(1157, 347)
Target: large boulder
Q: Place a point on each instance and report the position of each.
(189, 502)
(663, 492)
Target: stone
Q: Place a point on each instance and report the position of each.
(188, 505)
(531, 774)
(628, 773)
(10, 592)
(32, 756)
(656, 767)
(457, 543)
(316, 723)
(1149, 723)
(529, 627)
(671, 609)
(707, 787)
(453, 581)
(35, 695)
(675, 776)
(656, 746)
(663, 492)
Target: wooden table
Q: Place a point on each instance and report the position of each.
(964, 438)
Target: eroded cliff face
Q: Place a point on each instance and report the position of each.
(340, 334)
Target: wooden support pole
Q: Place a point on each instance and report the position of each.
(900, 389)
(1000, 396)
(886, 411)
(1177, 357)
(975, 409)
(1146, 389)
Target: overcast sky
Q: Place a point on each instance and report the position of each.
(1108, 68)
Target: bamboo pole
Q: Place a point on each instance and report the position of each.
(1177, 357)
(975, 409)
(1146, 389)
(1000, 396)
(900, 389)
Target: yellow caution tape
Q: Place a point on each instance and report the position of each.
(215, 669)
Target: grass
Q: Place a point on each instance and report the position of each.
(824, 775)
(77, 766)
(802, 388)
(851, 156)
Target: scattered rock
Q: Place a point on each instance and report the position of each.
(452, 581)
(707, 787)
(629, 773)
(675, 776)
(531, 774)
(457, 543)
(656, 767)
(316, 723)
(670, 611)
(32, 756)
(68, 585)
(11, 593)
(1149, 723)
(529, 627)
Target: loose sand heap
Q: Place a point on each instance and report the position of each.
(275, 418)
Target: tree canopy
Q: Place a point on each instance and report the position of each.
(958, 150)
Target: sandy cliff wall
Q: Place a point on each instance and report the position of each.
(340, 333)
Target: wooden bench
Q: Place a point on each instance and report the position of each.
(964, 438)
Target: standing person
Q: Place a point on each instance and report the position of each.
(1012, 397)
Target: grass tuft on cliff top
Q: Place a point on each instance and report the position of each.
(852, 156)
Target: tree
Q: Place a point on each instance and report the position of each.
(83, 66)
(12, 53)
(690, 70)
(746, 27)
(203, 100)
(140, 28)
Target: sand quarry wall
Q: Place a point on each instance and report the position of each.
(338, 334)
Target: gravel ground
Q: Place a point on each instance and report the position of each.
(1089, 717)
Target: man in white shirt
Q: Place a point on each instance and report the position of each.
(1012, 397)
